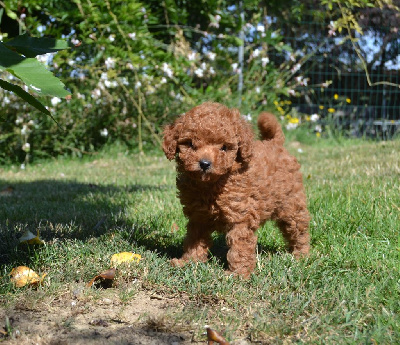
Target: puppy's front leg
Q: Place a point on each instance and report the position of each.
(241, 256)
(196, 244)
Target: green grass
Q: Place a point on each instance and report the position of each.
(347, 291)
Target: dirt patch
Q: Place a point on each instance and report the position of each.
(101, 319)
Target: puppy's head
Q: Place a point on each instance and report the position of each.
(209, 141)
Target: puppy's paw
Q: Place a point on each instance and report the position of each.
(178, 262)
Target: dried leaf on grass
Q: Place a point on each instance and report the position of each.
(106, 278)
(124, 257)
(29, 238)
(215, 336)
(7, 191)
(23, 275)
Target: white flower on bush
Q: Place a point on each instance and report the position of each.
(260, 28)
(199, 72)
(256, 53)
(212, 71)
(19, 120)
(45, 58)
(264, 61)
(211, 56)
(55, 101)
(235, 67)
(247, 117)
(22, 166)
(110, 62)
(138, 84)
(96, 93)
(132, 35)
(110, 84)
(258, 89)
(25, 130)
(291, 126)
(104, 132)
(166, 68)
(6, 100)
(301, 80)
(111, 38)
(318, 128)
(292, 92)
(295, 68)
(163, 80)
(314, 117)
(192, 56)
(26, 147)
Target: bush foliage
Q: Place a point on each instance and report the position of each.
(134, 65)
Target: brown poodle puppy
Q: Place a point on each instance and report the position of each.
(230, 183)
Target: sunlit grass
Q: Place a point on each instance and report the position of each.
(346, 292)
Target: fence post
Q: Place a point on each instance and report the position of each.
(241, 54)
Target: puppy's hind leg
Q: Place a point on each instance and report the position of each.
(295, 231)
(196, 244)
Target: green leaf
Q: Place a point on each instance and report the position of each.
(32, 73)
(33, 46)
(24, 95)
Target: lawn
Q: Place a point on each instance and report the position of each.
(347, 291)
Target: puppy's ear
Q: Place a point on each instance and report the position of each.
(169, 144)
(245, 138)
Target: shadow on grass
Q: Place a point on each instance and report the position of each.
(73, 210)
(70, 210)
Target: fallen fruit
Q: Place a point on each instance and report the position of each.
(124, 257)
(29, 238)
(23, 275)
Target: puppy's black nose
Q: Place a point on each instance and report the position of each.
(204, 164)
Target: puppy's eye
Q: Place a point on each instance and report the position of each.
(189, 144)
(224, 148)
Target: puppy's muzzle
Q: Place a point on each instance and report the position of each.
(205, 164)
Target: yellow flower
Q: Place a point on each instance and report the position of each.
(348, 100)
(308, 117)
(318, 134)
(331, 110)
(336, 96)
(276, 102)
(294, 120)
(321, 107)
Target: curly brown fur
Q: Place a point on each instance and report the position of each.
(230, 183)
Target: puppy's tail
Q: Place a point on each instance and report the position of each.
(270, 129)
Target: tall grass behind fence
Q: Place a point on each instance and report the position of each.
(336, 85)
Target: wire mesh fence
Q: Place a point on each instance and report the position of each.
(359, 96)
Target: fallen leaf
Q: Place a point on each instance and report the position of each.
(98, 322)
(7, 191)
(106, 277)
(125, 257)
(215, 336)
(23, 275)
(29, 238)
(174, 227)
